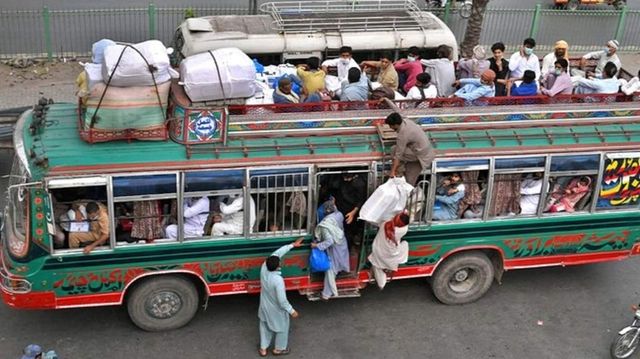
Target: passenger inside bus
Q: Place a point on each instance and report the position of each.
(196, 212)
(449, 193)
(98, 233)
(231, 220)
(350, 193)
(530, 189)
(141, 220)
(574, 196)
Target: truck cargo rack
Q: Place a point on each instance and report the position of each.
(349, 16)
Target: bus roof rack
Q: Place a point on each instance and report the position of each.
(351, 16)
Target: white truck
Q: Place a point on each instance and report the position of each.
(295, 30)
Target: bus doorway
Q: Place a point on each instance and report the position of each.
(348, 187)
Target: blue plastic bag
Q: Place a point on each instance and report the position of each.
(319, 260)
(258, 65)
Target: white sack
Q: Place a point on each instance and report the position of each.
(94, 74)
(332, 83)
(233, 77)
(132, 69)
(386, 201)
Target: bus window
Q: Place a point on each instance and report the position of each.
(73, 228)
(517, 185)
(569, 193)
(516, 194)
(281, 198)
(620, 185)
(572, 180)
(460, 191)
(214, 205)
(142, 207)
(416, 204)
(460, 194)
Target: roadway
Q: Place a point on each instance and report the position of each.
(83, 4)
(539, 313)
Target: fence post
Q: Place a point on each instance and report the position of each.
(535, 22)
(46, 20)
(447, 12)
(152, 21)
(620, 28)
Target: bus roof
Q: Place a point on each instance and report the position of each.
(56, 147)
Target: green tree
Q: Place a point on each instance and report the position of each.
(474, 27)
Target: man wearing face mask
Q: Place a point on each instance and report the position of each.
(524, 60)
(558, 81)
(342, 63)
(410, 68)
(548, 62)
(608, 54)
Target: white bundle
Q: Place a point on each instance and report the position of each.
(133, 70)
(220, 74)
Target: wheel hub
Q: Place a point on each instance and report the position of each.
(163, 305)
(461, 275)
(463, 280)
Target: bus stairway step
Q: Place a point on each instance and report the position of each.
(314, 296)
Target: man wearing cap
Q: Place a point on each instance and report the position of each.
(549, 60)
(608, 54)
(473, 89)
(475, 66)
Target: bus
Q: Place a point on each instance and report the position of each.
(585, 209)
(292, 31)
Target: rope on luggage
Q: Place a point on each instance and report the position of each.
(152, 69)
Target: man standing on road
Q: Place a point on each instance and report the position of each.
(412, 153)
(275, 309)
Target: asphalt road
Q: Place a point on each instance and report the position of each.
(83, 4)
(539, 313)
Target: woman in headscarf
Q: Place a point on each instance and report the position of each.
(565, 200)
(329, 236)
(388, 251)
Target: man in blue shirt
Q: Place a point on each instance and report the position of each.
(358, 87)
(527, 87)
(473, 89)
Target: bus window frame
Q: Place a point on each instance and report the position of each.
(434, 180)
(256, 235)
(76, 182)
(145, 197)
(182, 195)
(603, 158)
(597, 174)
(517, 170)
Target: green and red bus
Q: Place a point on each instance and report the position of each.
(276, 158)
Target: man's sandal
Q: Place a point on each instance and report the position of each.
(263, 352)
(281, 352)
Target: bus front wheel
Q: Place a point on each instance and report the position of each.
(463, 278)
(163, 303)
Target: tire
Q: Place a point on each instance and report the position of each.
(463, 278)
(573, 5)
(621, 348)
(163, 303)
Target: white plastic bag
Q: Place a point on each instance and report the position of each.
(132, 70)
(386, 201)
(231, 75)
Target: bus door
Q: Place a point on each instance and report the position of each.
(350, 186)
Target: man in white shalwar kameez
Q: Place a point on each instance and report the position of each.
(275, 309)
(388, 251)
(195, 215)
(233, 217)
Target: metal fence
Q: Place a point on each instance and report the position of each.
(49, 33)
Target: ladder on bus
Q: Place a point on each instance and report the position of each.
(346, 16)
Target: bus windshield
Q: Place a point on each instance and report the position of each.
(18, 199)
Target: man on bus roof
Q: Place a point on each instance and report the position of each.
(342, 63)
(99, 229)
(412, 153)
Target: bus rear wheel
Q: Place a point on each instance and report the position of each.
(463, 278)
(163, 303)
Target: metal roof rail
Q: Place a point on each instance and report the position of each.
(346, 15)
